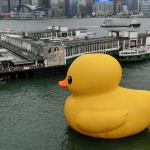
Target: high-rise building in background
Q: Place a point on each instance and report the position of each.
(53, 3)
(71, 7)
(145, 7)
(104, 7)
(135, 5)
(130, 4)
(139, 5)
(114, 6)
(41, 2)
(34, 2)
(125, 8)
(26, 2)
(44, 3)
(0, 8)
(118, 6)
(13, 4)
(90, 4)
(9, 5)
(57, 7)
(5, 6)
(68, 7)
(84, 7)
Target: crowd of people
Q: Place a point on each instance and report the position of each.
(7, 68)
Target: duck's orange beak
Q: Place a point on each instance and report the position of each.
(63, 83)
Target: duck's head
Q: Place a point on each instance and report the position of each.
(93, 73)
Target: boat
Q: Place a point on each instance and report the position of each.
(135, 23)
(8, 30)
(134, 54)
(109, 23)
(91, 34)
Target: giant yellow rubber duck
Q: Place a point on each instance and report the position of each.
(98, 106)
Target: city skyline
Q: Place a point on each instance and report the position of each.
(76, 7)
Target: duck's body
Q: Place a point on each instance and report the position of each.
(105, 112)
(113, 115)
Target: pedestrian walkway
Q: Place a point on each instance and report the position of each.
(29, 56)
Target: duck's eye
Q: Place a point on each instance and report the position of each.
(69, 79)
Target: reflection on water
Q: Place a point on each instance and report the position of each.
(77, 141)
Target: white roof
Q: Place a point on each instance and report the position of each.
(3, 51)
(13, 35)
(8, 58)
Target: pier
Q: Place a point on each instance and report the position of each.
(34, 73)
(33, 48)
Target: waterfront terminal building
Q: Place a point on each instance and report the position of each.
(29, 11)
(55, 48)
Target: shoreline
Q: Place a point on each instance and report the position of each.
(65, 17)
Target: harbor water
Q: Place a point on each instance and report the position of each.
(92, 24)
(32, 110)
